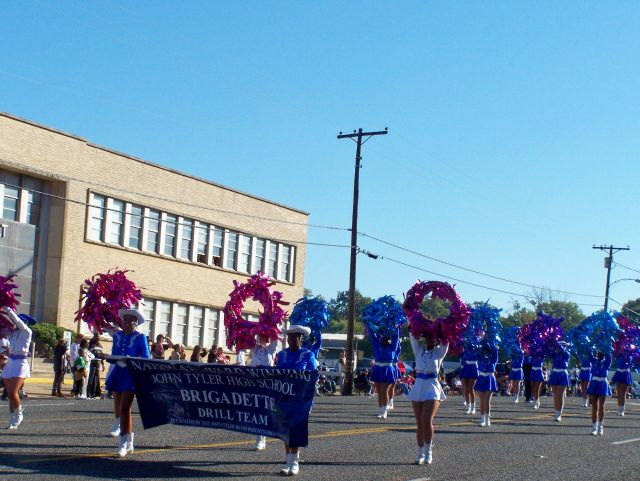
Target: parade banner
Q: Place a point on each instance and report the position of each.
(265, 401)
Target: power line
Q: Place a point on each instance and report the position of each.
(624, 308)
(626, 267)
(473, 270)
(196, 206)
(177, 222)
(528, 297)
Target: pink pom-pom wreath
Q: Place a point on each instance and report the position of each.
(448, 329)
(103, 295)
(8, 298)
(241, 333)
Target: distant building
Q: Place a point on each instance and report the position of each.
(70, 209)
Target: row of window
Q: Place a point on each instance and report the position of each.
(117, 222)
(183, 323)
(20, 197)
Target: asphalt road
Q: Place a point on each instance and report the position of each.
(66, 440)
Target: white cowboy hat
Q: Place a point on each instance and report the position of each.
(296, 329)
(131, 312)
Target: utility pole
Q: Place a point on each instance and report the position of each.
(357, 138)
(607, 264)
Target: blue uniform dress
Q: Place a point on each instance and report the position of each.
(536, 370)
(316, 346)
(301, 360)
(559, 375)
(516, 367)
(469, 363)
(585, 370)
(132, 345)
(599, 385)
(386, 358)
(486, 377)
(623, 373)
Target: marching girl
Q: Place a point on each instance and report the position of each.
(426, 394)
(468, 376)
(295, 357)
(584, 377)
(17, 367)
(385, 373)
(126, 342)
(537, 378)
(622, 380)
(599, 390)
(559, 378)
(516, 375)
(263, 354)
(486, 384)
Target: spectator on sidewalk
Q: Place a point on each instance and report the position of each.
(73, 355)
(96, 366)
(60, 359)
(195, 355)
(80, 372)
(159, 347)
(178, 353)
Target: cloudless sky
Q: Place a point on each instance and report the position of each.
(513, 140)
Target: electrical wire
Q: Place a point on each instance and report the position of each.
(176, 223)
(382, 241)
(626, 267)
(525, 296)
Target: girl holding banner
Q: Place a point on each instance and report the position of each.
(263, 354)
(295, 357)
(126, 342)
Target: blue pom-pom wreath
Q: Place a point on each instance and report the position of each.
(384, 316)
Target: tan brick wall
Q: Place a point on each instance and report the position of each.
(40, 152)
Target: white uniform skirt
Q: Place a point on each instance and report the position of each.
(426, 390)
(16, 368)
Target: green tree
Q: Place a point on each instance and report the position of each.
(309, 293)
(46, 336)
(631, 309)
(339, 306)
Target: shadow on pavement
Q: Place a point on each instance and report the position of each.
(112, 468)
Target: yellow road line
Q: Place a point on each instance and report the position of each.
(329, 434)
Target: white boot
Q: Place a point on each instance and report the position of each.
(428, 453)
(122, 446)
(469, 407)
(390, 405)
(594, 429)
(295, 465)
(536, 405)
(558, 416)
(382, 413)
(586, 404)
(473, 408)
(516, 401)
(601, 429)
(115, 429)
(130, 443)
(261, 443)
(16, 418)
(285, 471)
(488, 418)
(420, 457)
(483, 421)
(621, 411)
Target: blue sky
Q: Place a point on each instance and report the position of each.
(513, 127)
